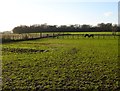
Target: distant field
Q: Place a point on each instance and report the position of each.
(63, 63)
(87, 32)
(26, 36)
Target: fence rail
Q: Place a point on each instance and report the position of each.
(29, 36)
(32, 36)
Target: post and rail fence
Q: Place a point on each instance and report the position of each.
(32, 36)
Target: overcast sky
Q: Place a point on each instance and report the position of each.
(56, 12)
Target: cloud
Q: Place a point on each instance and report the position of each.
(107, 14)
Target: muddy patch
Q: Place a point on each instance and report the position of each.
(38, 43)
(21, 50)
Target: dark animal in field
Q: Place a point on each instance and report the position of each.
(86, 35)
(89, 35)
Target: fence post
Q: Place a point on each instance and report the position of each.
(103, 36)
(47, 35)
(98, 36)
(114, 36)
(40, 34)
(63, 35)
(53, 35)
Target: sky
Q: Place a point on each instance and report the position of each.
(56, 12)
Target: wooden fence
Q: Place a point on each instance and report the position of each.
(32, 36)
(29, 36)
(94, 36)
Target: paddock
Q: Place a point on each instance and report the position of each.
(32, 36)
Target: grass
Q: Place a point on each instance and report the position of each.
(66, 63)
(90, 32)
(25, 36)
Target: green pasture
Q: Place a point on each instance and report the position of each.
(75, 33)
(61, 63)
(81, 32)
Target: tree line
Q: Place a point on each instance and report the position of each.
(37, 28)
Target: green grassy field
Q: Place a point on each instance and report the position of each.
(63, 63)
(87, 32)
